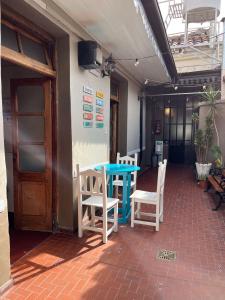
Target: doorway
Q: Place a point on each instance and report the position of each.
(114, 115)
(27, 114)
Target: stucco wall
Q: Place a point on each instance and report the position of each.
(220, 121)
(90, 145)
(133, 118)
(4, 235)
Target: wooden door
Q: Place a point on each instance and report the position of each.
(113, 130)
(32, 153)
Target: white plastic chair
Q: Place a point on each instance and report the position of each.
(128, 160)
(92, 192)
(153, 198)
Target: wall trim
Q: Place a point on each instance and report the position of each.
(8, 284)
(135, 151)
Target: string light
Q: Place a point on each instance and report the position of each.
(136, 62)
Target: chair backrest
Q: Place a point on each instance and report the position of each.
(161, 177)
(92, 183)
(128, 160)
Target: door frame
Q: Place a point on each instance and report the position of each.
(27, 27)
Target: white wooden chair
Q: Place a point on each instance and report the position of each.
(92, 192)
(128, 160)
(153, 198)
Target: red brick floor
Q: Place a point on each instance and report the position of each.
(65, 267)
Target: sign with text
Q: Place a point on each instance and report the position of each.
(99, 110)
(88, 99)
(99, 125)
(87, 124)
(87, 90)
(99, 102)
(99, 118)
(88, 107)
(87, 116)
(99, 94)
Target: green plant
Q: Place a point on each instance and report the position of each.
(203, 138)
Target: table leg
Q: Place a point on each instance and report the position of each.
(128, 208)
(110, 186)
(124, 202)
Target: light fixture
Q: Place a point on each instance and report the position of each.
(108, 66)
(176, 87)
(204, 87)
(167, 111)
(146, 81)
(136, 62)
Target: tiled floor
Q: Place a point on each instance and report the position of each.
(22, 242)
(65, 267)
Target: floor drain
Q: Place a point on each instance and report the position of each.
(166, 255)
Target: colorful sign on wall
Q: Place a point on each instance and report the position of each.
(99, 102)
(87, 90)
(87, 116)
(88, 107)
(99, 125)
(99, 110)
(87, 98)
(99, 117)
(99, 94)
(87, 124)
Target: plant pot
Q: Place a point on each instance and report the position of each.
(203, 170)
(203, 184)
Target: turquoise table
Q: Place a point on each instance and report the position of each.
(123, 171)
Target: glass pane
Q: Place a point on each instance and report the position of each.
(32, 158)
(180, 115)
(166, 132)
(31, 129)
(33, 49)
(188, 132)
(173, 132)
(8, 38)
(30, 99)
(189, 115)
(179, 132)
(173, 115)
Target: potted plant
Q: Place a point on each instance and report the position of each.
(204, 137)
(202, 141)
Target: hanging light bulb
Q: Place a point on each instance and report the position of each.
(146, 81)
(175, 87)
(204, 87)
(136, 62)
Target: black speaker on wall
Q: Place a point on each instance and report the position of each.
(89, 55)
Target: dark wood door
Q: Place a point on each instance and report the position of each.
(32, 153)
(113, 130)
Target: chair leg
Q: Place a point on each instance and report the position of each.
(157, 217)
(132, 212)
(92, 215)
(138, 210)
(161, 212)
(80, 221)
(116, 218)
(105, 238)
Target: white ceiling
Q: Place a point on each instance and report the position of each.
(118, 28)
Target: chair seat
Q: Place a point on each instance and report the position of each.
(144, 197)
(97, 201)
(120, 183)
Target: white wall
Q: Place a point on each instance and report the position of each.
(133, 118)
(90, 145)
